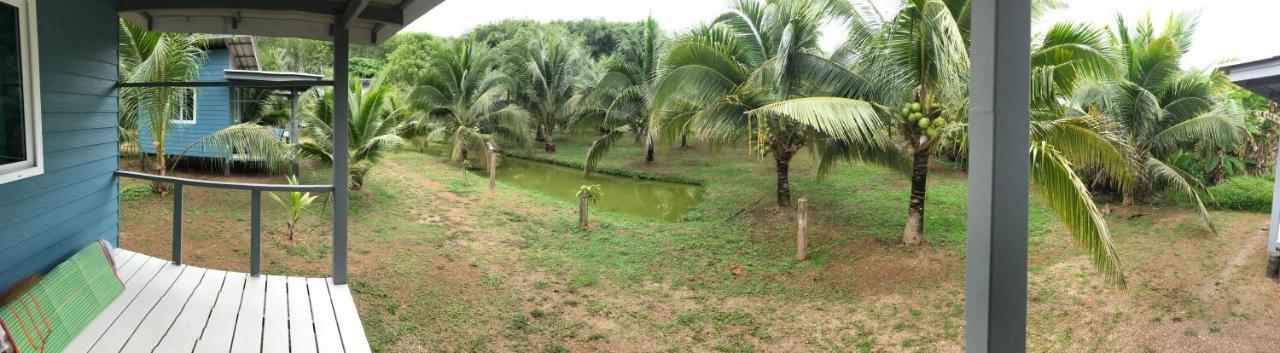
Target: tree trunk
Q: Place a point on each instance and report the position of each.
(648, 158)
(914, 234)
(550, 141)
(783, 166)
(357, 180)
(159, 167)
(684, 141)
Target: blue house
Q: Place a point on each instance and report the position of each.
(209, 109)
(59, 184)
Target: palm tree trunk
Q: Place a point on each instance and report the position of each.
(783, 167)
(684, 141)
(357, 180)
(648, 158)
(159, 165)
(914, 234)
(550, 142)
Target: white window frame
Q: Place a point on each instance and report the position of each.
(32, 116)
(195, 107)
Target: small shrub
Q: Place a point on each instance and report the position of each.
(135, 192)
(294, 203)
(520, 322)
(1244, 194)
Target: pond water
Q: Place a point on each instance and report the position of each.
(645, 198)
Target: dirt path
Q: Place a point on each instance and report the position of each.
(1248, 249)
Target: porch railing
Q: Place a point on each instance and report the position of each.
(255, 227)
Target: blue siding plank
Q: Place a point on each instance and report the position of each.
(50, 216)
(59, 121)
(62, 190)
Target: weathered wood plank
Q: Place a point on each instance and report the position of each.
(276, 322)
(302, 332)
(353, 337)
(161, 319)
(195, 315)
(114, 339)
(248, 337)
(221, 329)
(328, 339)
(147, 267)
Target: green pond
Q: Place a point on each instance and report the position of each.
(645, 198)
(651, 199)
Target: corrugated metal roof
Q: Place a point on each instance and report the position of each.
(312, 19)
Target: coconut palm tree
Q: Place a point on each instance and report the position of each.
(548, 66)
(736, 71)
(155, 57)
(373, 122)
(920, 57)
(464, 99)
(1163, 109)
(620, 101)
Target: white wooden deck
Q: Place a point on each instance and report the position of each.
(171, 308)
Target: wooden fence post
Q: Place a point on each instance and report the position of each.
(582, 212)
(802, 227)
(493, 170)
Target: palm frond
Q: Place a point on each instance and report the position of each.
(1183, 182)
(842, 118)
(1054, 178)
(600, 147)
(252, 141)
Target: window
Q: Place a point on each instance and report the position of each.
(187, 112)
(20, 150)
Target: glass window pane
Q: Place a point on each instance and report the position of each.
(13, 133)
(188, 109)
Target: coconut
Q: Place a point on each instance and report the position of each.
(923, 123)
(939, 122)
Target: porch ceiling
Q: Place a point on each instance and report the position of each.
(376, 20)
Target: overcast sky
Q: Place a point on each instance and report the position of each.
(1228, 28)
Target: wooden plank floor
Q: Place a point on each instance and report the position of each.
(171, 308)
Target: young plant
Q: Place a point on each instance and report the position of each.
(295, 203)
(587, 194)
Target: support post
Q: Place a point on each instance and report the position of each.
(341, 156)
(255, 234)
(582, 213)
(999, 176)
(177, 223)
(1273, 231)
(493, 170)
(802, 228)
(294, 136)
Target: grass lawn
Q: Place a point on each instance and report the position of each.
(442, 265)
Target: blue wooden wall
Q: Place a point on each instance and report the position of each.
(213, 111)
(44, 219)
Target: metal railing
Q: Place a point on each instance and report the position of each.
(255, 190)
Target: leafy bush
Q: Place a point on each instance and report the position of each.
(1244, 194)
(135, 192)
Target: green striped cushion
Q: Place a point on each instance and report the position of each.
(52, 313)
